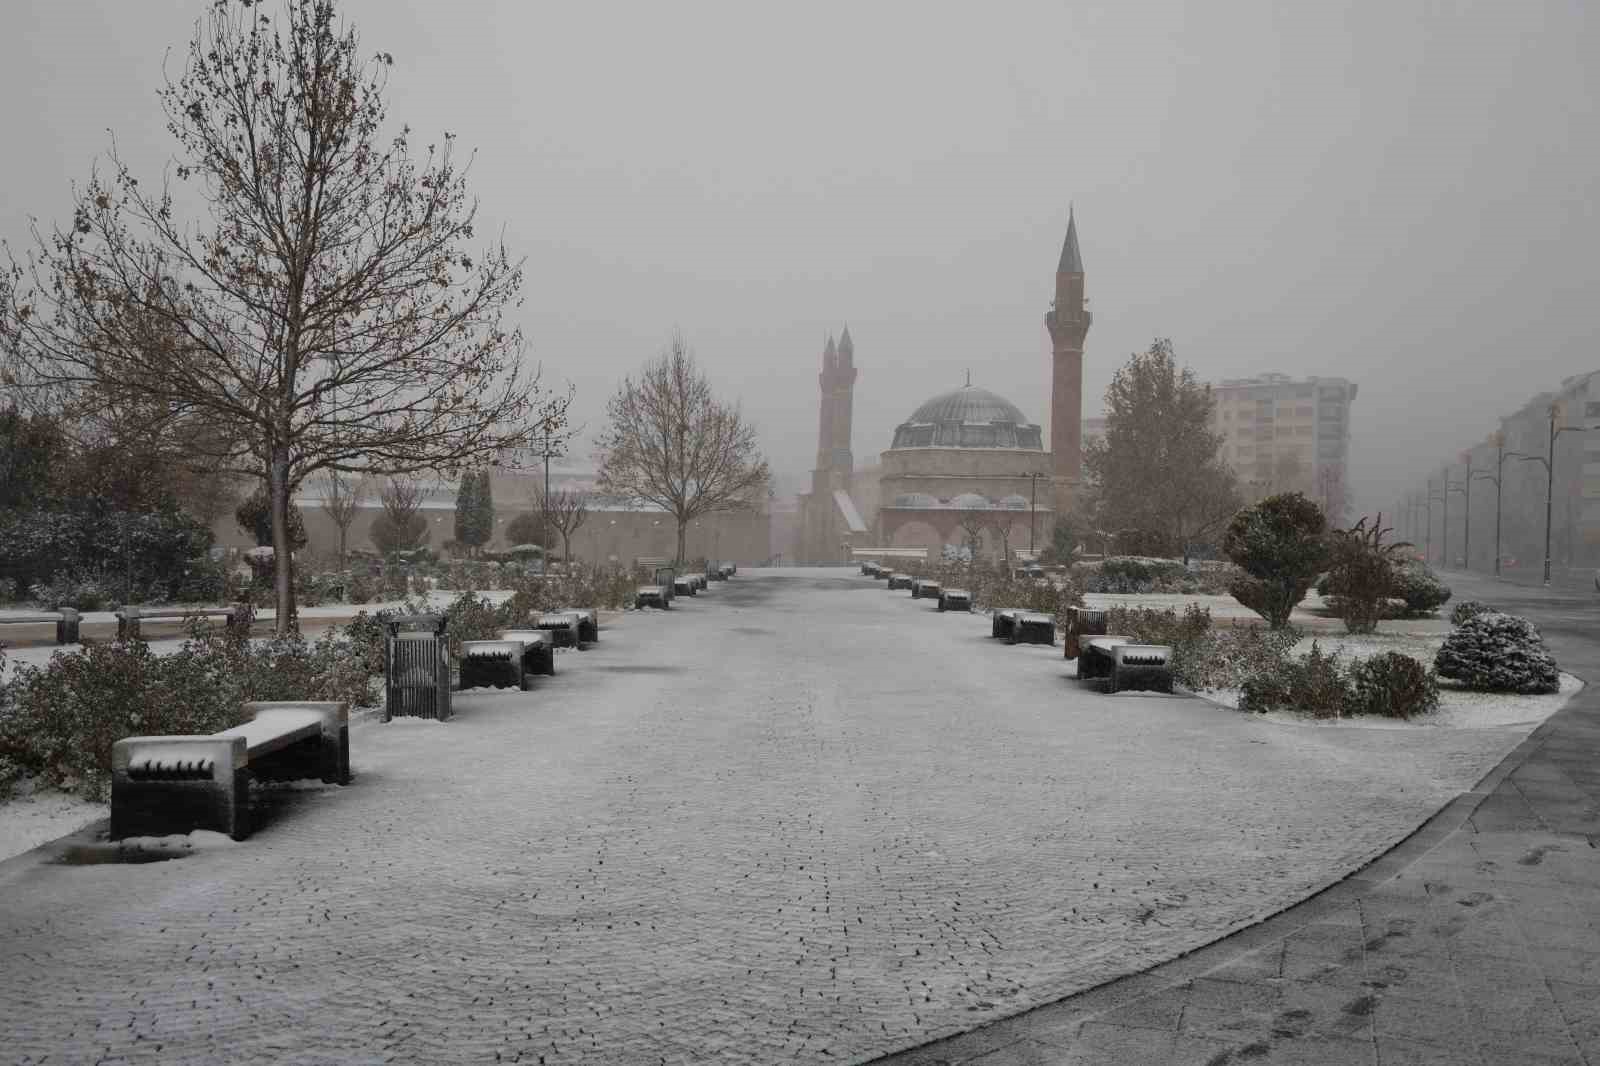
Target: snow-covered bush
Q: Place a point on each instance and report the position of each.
(1281, 545)
(1420, 588)
(1391, 685)
(1467, 609)
(1495, 652)
(1313, 683)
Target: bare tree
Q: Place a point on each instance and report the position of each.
(972, 523)
(565, 510)
(1004, 525)
(670, 442)
(342, 500)
(400, 528)
(326, 310)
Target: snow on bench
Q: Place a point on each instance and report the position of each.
(66, 621)
(955, 600)
(1122, 665)
(176, 784)
(129, 619)
(1032, 628)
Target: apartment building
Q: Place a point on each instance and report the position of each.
(1283, 434)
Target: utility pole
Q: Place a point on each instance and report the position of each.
(1498, 439)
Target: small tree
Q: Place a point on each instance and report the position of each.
(475, 510)
(1158, 469)
(342, 500)
(565, 510)
(972, 524)
(400, 528)
(671, 443)
(1363, 572)
(1005, 525)
(1281, 544)
(526, 528)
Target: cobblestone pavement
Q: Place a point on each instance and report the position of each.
(796, 818)
(1476, 942)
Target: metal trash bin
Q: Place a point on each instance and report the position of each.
(416, 668)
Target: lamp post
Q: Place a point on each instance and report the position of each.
(1498, 439)
(1427, 550)
(1465, 488)
(1549, 461)
(1033, 502)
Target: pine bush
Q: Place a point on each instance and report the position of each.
(1467, 609)
(1391, 685)
(1494, 652)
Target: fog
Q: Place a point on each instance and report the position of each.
(1399, 193)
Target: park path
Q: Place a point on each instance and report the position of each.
(796, 818)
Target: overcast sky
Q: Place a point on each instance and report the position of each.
(1399, 193)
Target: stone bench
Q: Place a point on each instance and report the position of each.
(728, 570)
(898, 580)
(955, 600)
(1033, 628)
(1002, 621)
(870, 568)
(130, 619)
(1122, 665)
(538, 651)
(177, 784)
(1081, 622)
(588, 622)
(564, 628)
(684, 586)
(509, 662)
(651, 596)
(66, 620)
(923, 589)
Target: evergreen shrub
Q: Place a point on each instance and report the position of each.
(1495, 652)
(1391, 685)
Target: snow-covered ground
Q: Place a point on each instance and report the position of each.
(26, 821)
(798, 818)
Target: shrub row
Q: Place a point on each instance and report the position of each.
(1387, 685)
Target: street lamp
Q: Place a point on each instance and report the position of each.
(1427, 550)
(1033, 500)
(1549, 462)
(1498, 439)
(1465, 488)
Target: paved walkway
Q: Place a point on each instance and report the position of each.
(1476, 941)
(798, 818)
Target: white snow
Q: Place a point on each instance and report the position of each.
(27, 821)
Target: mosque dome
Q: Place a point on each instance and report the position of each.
(969, 417)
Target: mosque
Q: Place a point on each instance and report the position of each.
(966, 466)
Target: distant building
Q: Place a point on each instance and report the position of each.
(967, 464)
(1283, 434)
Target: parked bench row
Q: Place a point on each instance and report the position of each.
(130, 619)
(666, 584)
(1114, 663)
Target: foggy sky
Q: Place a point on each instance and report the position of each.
(1399, 193)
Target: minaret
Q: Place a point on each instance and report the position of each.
(844, 383)
(1068, 323)
(830, 359)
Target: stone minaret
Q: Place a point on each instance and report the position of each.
(1068, 323)
(825, 438)
(844, 383)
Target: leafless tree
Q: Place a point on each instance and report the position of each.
(972, 523)
(1004, 525)
(400, 528)
(326, 309)
(670, 442)
(565, 510)
(343, 497)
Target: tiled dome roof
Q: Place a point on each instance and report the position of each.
(968, 417)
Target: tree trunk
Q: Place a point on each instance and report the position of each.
(683, 532)
(282, 555)
(566, 549)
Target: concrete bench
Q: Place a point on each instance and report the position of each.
(1081, 622)
(651, 596)
(66, 620)
(538, 651)
(955, 600)
(683, 586)
(1032, 628)
(564, 628)
(923, 589)
(177, 784)
(1122, 665)
(898, 580)
(728, 570)
(129, 619)
(588, 622)
(495, 663)
(1002, 621)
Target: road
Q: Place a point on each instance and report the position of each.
(797, 818)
